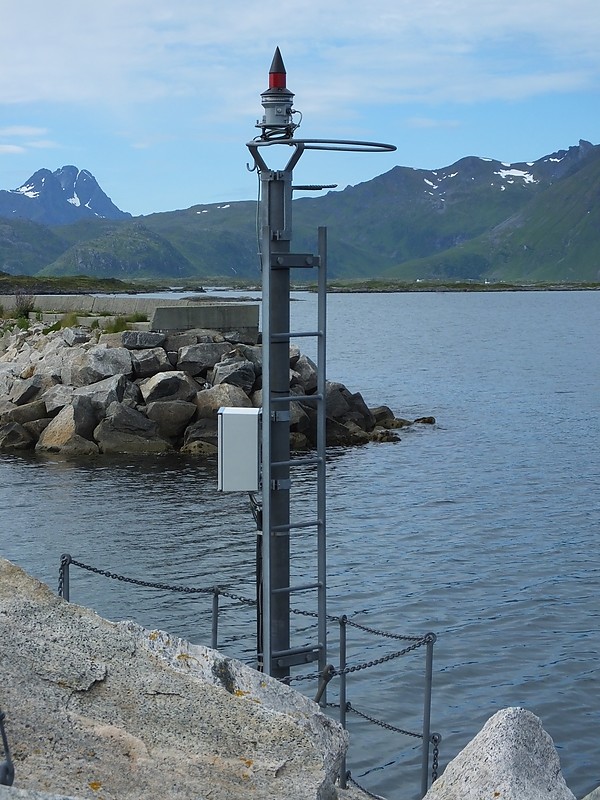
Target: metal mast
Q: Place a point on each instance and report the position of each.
(277, 128)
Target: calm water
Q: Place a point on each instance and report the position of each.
(483, 528)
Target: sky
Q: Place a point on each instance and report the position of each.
(158, 100)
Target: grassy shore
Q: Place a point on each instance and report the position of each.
(83, 284)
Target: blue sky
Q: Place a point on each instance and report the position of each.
(158, 99)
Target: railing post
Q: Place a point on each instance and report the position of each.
(215, 619)
(431, 638)
(343, 701)
(63, 577)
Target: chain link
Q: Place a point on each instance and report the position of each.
(385, 633)
(386, 725)
(435, 740)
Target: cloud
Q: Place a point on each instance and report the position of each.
(130, 52)
(17, 131)
(11, 149)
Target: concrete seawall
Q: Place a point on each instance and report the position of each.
(164, 314)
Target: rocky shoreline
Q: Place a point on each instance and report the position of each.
(78, 391)
(100, 709)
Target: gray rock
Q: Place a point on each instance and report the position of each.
(359, 412)
(171, 416)
(24, 391)
(252, 353)
(171, 385)
(593, 795)
(197, 359)
(199, 447)
(125, 430)
(37, 426)
(111, 339)
(100, 709)
(305, 374)
(336, 400)
(512, 758)
(25, 413)
(102, 393)
(74, 336)
(209, 401)
(57, 397)
(14, 437)
(205, 430)
(236, 371)
(70, 432)
(141, 340)
(13, 793)
(148, 362)
(82, 367)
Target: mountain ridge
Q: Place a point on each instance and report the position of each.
(470, 220)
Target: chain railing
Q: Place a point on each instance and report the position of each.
(429, 739)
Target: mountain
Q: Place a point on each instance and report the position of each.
(125, 251)
(57, 198)
(554, 237)
(477, 219)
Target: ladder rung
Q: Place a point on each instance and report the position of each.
(297, 651)
(291, 526)
(301, 587)
(289, 398)
(282, 337)
(298, 462)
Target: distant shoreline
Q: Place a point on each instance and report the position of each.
(29, 285)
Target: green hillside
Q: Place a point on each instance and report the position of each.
(554, 237)
(26, 247)
(127, 251)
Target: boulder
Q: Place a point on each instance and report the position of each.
(142, 340)
(205, 430)
(171, 385)
(148, 362)
(25, 390)
(70, 432)
(304, 374)
(82, 367)
(197, 359)
(336, 398)
(37, 426)
(199, 447)
(171, 416)
(75, 336)
(209, 401)
(102, 393)
(383, 417)
(25, 413)
(236, 371)
(102, 709)
(57, 397)
(14, 437)
(125, 430)
(252, 353)
(359, 412)
(511, 758)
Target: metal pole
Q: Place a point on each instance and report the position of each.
(343, 700)
(431, 638)
(63, 578)
(277, 200)
(322, 449)
(215, 619)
